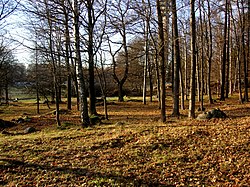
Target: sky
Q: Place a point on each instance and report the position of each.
(16, 37)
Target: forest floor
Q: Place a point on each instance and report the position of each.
(132, 148)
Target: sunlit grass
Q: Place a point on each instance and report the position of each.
(141, 151)
(156, 154)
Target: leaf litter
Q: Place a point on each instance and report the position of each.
(138, 153)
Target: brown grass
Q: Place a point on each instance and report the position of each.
(140, 151)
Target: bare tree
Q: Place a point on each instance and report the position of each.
(66, 13)
(102, 81)
(122, 20)
(95, 9)
(7, 67)
(82, 88)
(202, 56)
(7, 7)
(146, 36)
(177, 60)
(51, 56)
(224, 56)
(209, 53)
(241, 16)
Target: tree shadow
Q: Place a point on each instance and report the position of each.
(77, 172)
(239, 112)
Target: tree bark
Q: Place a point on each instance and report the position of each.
(177, 60)
(202, 58)
(48, 17)
(37, 82)
(67, 56)
(182, 91)
(209, 38)
(224, 57)
(103, 84)
(186, 70)
(162, 61)
(92, 97)
(191, 113)
(145, 69)
(82, 88)
(228, 53)
(244, 54)
(6, 92)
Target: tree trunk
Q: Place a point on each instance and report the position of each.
(244, 55)
(120, 92)
(186, 70)
(103, 84)
(6, 92)
(248, 39)
(162, 61)
(230, 43)
(228, 53)
(53, 63)
(224, 57)
(37, 83)
(145, 69)
(105, 106)
(92, 97)
(198, 77)
(182, 91)
(202, 59)
(239, 79)
(82, 89)
(158, 81)
(74, 77)
(177, 61)
(209, 38)
(59, 75)
(67, 56)
(191, 113)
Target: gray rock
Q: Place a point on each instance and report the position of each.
(217, 113)
(95, 120)
(204, 116)
(6, 124)
(20, 120)
(29, 130)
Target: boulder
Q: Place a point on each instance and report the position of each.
(20, 120)
(215, 113)
(29, 130)
(6, 124)
(204, 116)
(95, 120)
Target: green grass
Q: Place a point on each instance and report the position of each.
(20, 93)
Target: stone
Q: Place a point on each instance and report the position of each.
(29, 130)
(95, 120)
(6, 124)
(204, 116)
(20, 120)
(217, 113)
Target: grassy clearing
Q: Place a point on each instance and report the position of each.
(138, 152)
